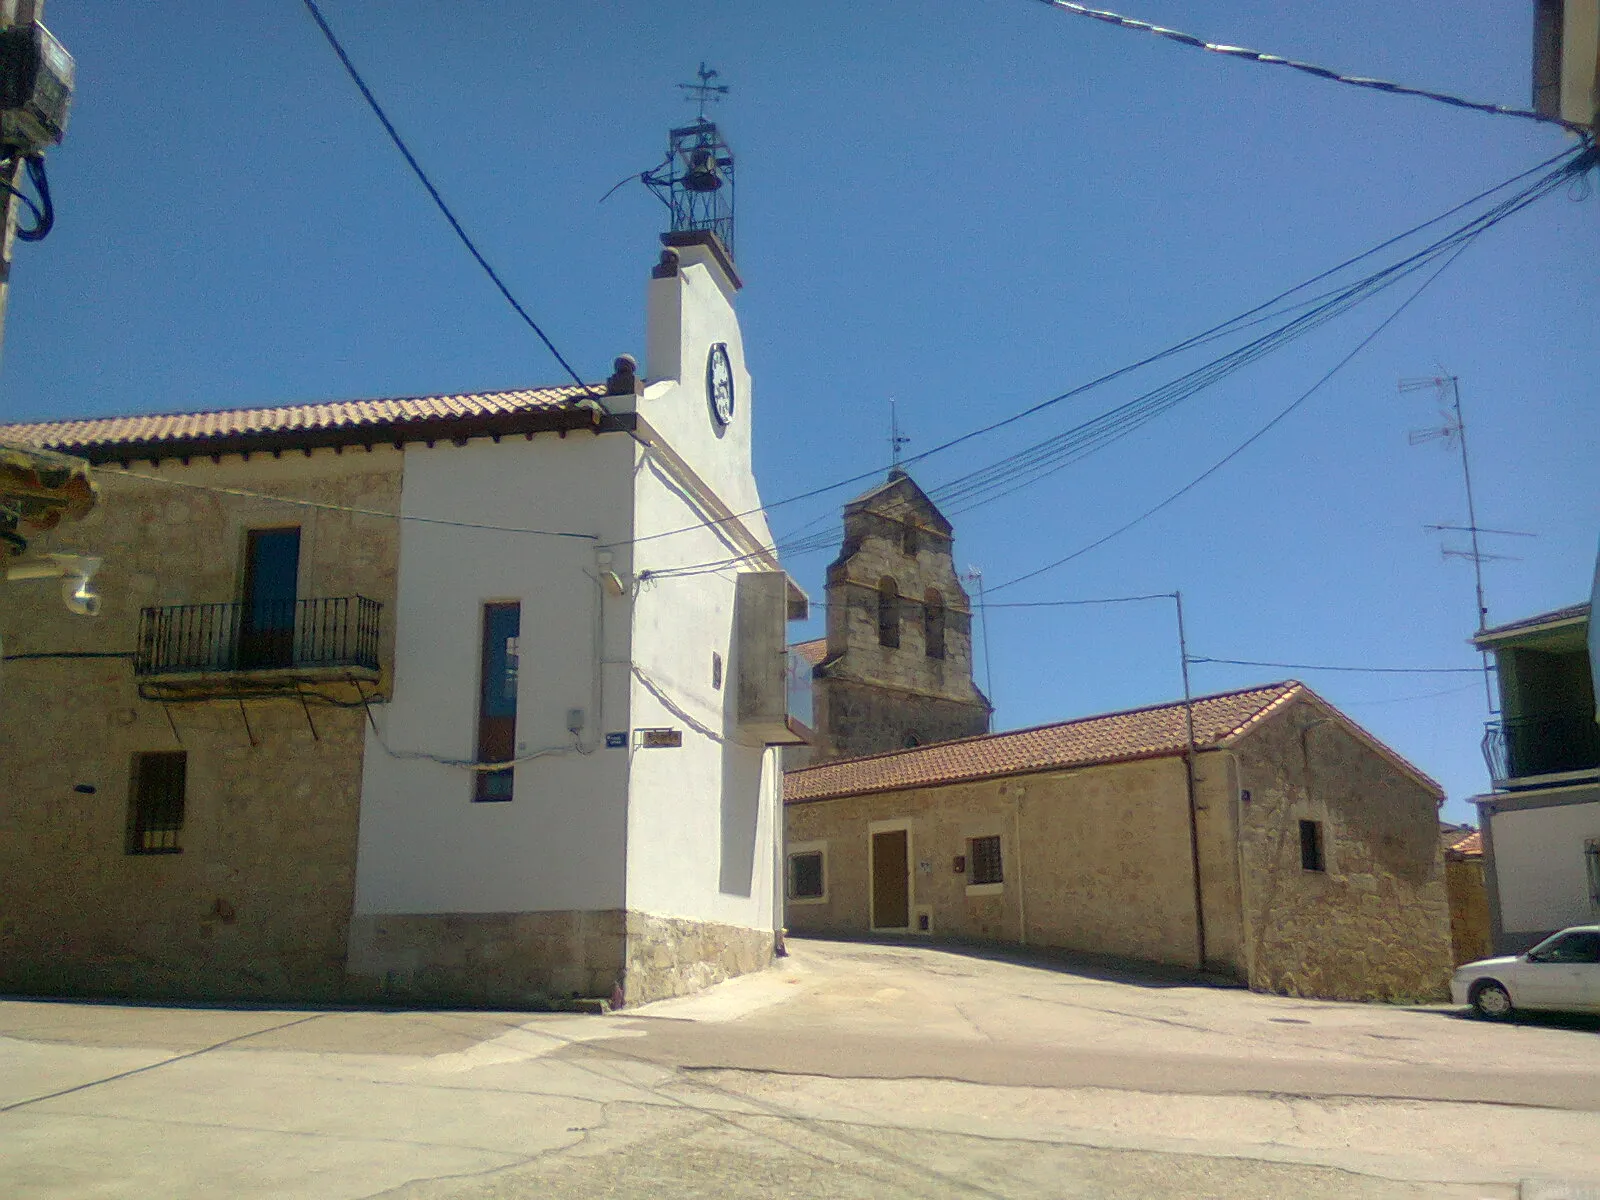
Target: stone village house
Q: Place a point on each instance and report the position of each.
(404, 698)
(1319, 870)
(1317, 846)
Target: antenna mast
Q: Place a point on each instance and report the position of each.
(1454, 429)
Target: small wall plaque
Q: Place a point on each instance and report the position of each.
(617, 740)
(660, 739)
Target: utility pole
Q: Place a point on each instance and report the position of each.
(1194, 808)
(36, 75)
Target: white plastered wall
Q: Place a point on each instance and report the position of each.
(425, 846)
(701, 823)
(1539, 867)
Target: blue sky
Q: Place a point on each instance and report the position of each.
(967, 206)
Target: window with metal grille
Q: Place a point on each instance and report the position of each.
(1311, 857)
(155, 806)
(806, 877)
(983, 857)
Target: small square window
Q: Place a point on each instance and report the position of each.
(984, 858)
(1311, 855)
(156, 801)
(807, 877)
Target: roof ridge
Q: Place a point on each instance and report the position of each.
(928, 747)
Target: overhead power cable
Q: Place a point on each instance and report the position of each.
(1244, 445)
(416, 168)
(1275, 60)
(1014, 471)
(1246, 662)
(1249, 317)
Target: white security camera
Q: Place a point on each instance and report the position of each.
(79, 597)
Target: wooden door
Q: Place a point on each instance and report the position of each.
(891, 880)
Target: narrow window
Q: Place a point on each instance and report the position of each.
(1591, 862)
(497, 700)
(806, 878)
(984, 855)
(155, 805)
(1311, 846)
(888, 613)
(910, 540)
(933, 623)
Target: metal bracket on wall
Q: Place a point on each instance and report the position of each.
(245, 717)
(306, 708)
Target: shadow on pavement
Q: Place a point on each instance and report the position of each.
(1576, 1022)
(1100, 967)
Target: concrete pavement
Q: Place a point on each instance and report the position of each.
(848, 1070)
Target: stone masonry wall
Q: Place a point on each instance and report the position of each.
(669, 956)
(1471, 934)
(862, 718)
(1375, 925)
(257, 904)
(1095, 860)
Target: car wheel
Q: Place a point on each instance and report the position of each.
(1491, 1001)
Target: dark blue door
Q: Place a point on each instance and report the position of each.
(272, 570)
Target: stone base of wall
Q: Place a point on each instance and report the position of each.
(669, 956)
(523, 960)
(514, 959)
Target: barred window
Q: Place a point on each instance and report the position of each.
(983, 858)
(155, 803)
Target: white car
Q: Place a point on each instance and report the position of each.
(1561, 972)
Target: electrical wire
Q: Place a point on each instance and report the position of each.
(44, 210)
(1246, 662)
(1274, 60)
(1566, 158)
(1242, 446)
(1573, 162)
(1018, 470)
(438, 200)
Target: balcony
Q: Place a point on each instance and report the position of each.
(1526, 748)
(333, 636)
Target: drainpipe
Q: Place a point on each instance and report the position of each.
(1188, 773)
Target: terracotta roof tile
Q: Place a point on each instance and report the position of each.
(247, 424)
(1113, 737)
(813, 651)
(1470, 846)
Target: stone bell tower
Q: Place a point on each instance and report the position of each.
(896, 670)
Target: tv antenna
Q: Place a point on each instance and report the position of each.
(1452, 431)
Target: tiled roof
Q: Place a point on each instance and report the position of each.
(1113, 737)
(1468, 846)
(1572, 612)
(336, 422)
(813, 651)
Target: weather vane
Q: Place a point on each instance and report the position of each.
(705, 92)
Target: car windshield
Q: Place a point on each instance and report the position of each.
(1568, 946)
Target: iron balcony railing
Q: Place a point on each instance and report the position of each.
(336, 631)
(1524, 747)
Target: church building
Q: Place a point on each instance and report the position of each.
(895, 669)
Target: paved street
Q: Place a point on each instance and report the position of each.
(850, 1070)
